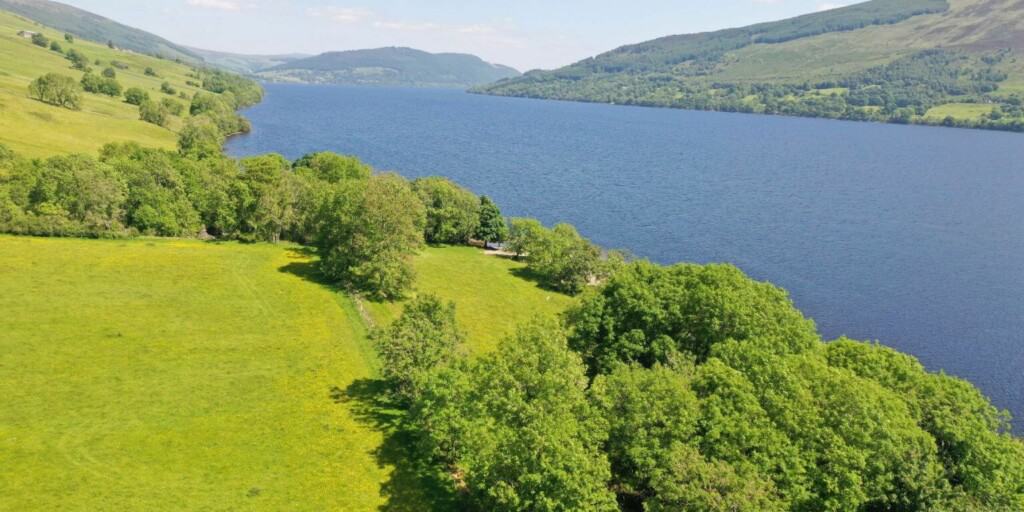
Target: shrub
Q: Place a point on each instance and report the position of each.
(167, 88)
(150, 72)
(109, 73)
(99, 85)
(55, 46)
(136, 96)
(173, 107)
(40, 40)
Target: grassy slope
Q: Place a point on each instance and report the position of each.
(490, 293)
(35, 129)
(181, 375)
(971, 24)
(177, 375)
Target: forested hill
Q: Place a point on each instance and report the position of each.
(93, 27)
(955, 62)
(390, 66)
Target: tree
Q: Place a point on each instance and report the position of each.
(689, 482)
(332, 167)
(55, 89)
(69, 38)
(366, 233)
(40, 40)
(136, 96)
(78, 59)
(518, 428)
(167, 88)
(110, 44)
(424, 338)
(492, 228)
(55, 46)
(150, 72)
(648, 412)
(525, 235)
(109, 73)
(99, 85)
(153, 112)
(647, 314)
(452, 211)
(201, 138)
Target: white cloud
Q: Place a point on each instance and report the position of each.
(828, 6)
(224, 5)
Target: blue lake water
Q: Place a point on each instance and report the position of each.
(913, 236)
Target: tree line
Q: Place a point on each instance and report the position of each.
(693, 388)
(366, 226)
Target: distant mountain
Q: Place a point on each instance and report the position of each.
(390, 66)
(93, 27)
(955, 62)
(245, 64)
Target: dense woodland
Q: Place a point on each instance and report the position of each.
(666, 388)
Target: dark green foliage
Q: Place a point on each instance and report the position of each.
(517, 427)
(332, 167)
(649, 314)
(69, 38)
(166, 88)
(150, 72)
(689, 481)
(40, 40)
(366, 232)
(136, 96)
(55, 46)
(100, 85)
(55, 89)
(153, 112)
(493, 228)
(561, 257)
(119, 65)
(424, 338)
(453, 213)
(78, 59)
(109, 73)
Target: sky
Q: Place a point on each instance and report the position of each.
(525, 34)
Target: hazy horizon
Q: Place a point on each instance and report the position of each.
(527, 35)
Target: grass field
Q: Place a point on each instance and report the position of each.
(491, 294)
(965, 111)
(181, 375)
(35, 129)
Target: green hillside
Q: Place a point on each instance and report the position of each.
(883, 60)
(33, 128)
(87, 25)
(197, 376)
(390, 66)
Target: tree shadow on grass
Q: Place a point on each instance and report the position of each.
(526, 274)
(416, 481)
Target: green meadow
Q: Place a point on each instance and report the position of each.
(35, 129)
(492, 294)
(182, 375)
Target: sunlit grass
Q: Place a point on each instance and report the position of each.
(36, 129)
(179, 375)
(490, 293)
